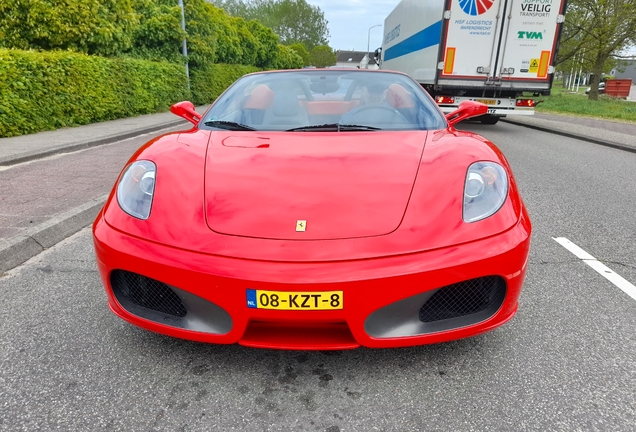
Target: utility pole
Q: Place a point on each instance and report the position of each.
(368, 43)
(184, 48)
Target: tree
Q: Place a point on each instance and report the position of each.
(159, 35)
(294, 21)
(302, 52)
(267, 48)
(240, 8)
(212, 35)
(286, 58)
(598, 30)
(149, 29)
(101, 27)
(323, 56)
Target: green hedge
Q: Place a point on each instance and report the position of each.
(49, 90)
(209, 82)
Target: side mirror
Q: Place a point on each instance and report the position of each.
(466, 109)
(186, 110)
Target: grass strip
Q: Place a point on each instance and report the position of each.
(562, 101)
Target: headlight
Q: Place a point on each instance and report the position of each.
(485, 190)
(136, 188)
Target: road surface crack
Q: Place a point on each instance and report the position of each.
(39, 244)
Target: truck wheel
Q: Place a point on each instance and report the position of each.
(489, 119)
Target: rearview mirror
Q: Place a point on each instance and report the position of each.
(324, 87)
(186, 110)
(466, 110)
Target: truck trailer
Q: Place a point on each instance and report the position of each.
(491, 51)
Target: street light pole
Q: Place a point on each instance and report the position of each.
(368, 43)
(184, 48)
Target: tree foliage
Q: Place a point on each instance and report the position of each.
(323, 56)
(301, 50)
(202, 31)
(294, 21)
(286, 58)
(595, 32)
(159, 35)
(147, 29)
(267, 48)
(212, 35)
(80, 89)
(102, 27)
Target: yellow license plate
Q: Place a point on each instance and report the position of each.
(285, 300)
(487, 101)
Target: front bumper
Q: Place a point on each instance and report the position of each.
(215, 287)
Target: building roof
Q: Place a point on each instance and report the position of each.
(353, 57)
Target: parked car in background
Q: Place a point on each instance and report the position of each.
(601, 88)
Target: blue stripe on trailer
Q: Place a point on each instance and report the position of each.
(428, 37)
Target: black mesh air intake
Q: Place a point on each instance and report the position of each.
(464, 298)
(146, 292)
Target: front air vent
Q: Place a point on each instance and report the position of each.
(464, 298)
(147, 293)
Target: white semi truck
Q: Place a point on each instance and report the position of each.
(492, 51)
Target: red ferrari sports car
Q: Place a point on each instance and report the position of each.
(316, 209)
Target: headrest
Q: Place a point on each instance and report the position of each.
(260, 98)
(398, 97)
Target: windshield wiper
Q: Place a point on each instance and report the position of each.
(333, 127)
(233, 126)
(348, 127)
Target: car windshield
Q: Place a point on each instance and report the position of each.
(324, 100)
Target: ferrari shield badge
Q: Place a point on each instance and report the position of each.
(301, 225)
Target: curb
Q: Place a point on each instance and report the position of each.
(573, 135)
(31, 242)
(8, 161)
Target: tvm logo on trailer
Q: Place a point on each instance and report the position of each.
(530, 35)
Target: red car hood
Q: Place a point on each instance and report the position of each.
(335, 186)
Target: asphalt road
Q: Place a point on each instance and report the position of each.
(566, 362)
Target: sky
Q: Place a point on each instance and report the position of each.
(350, 20)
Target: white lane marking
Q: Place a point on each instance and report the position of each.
(600, 268)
